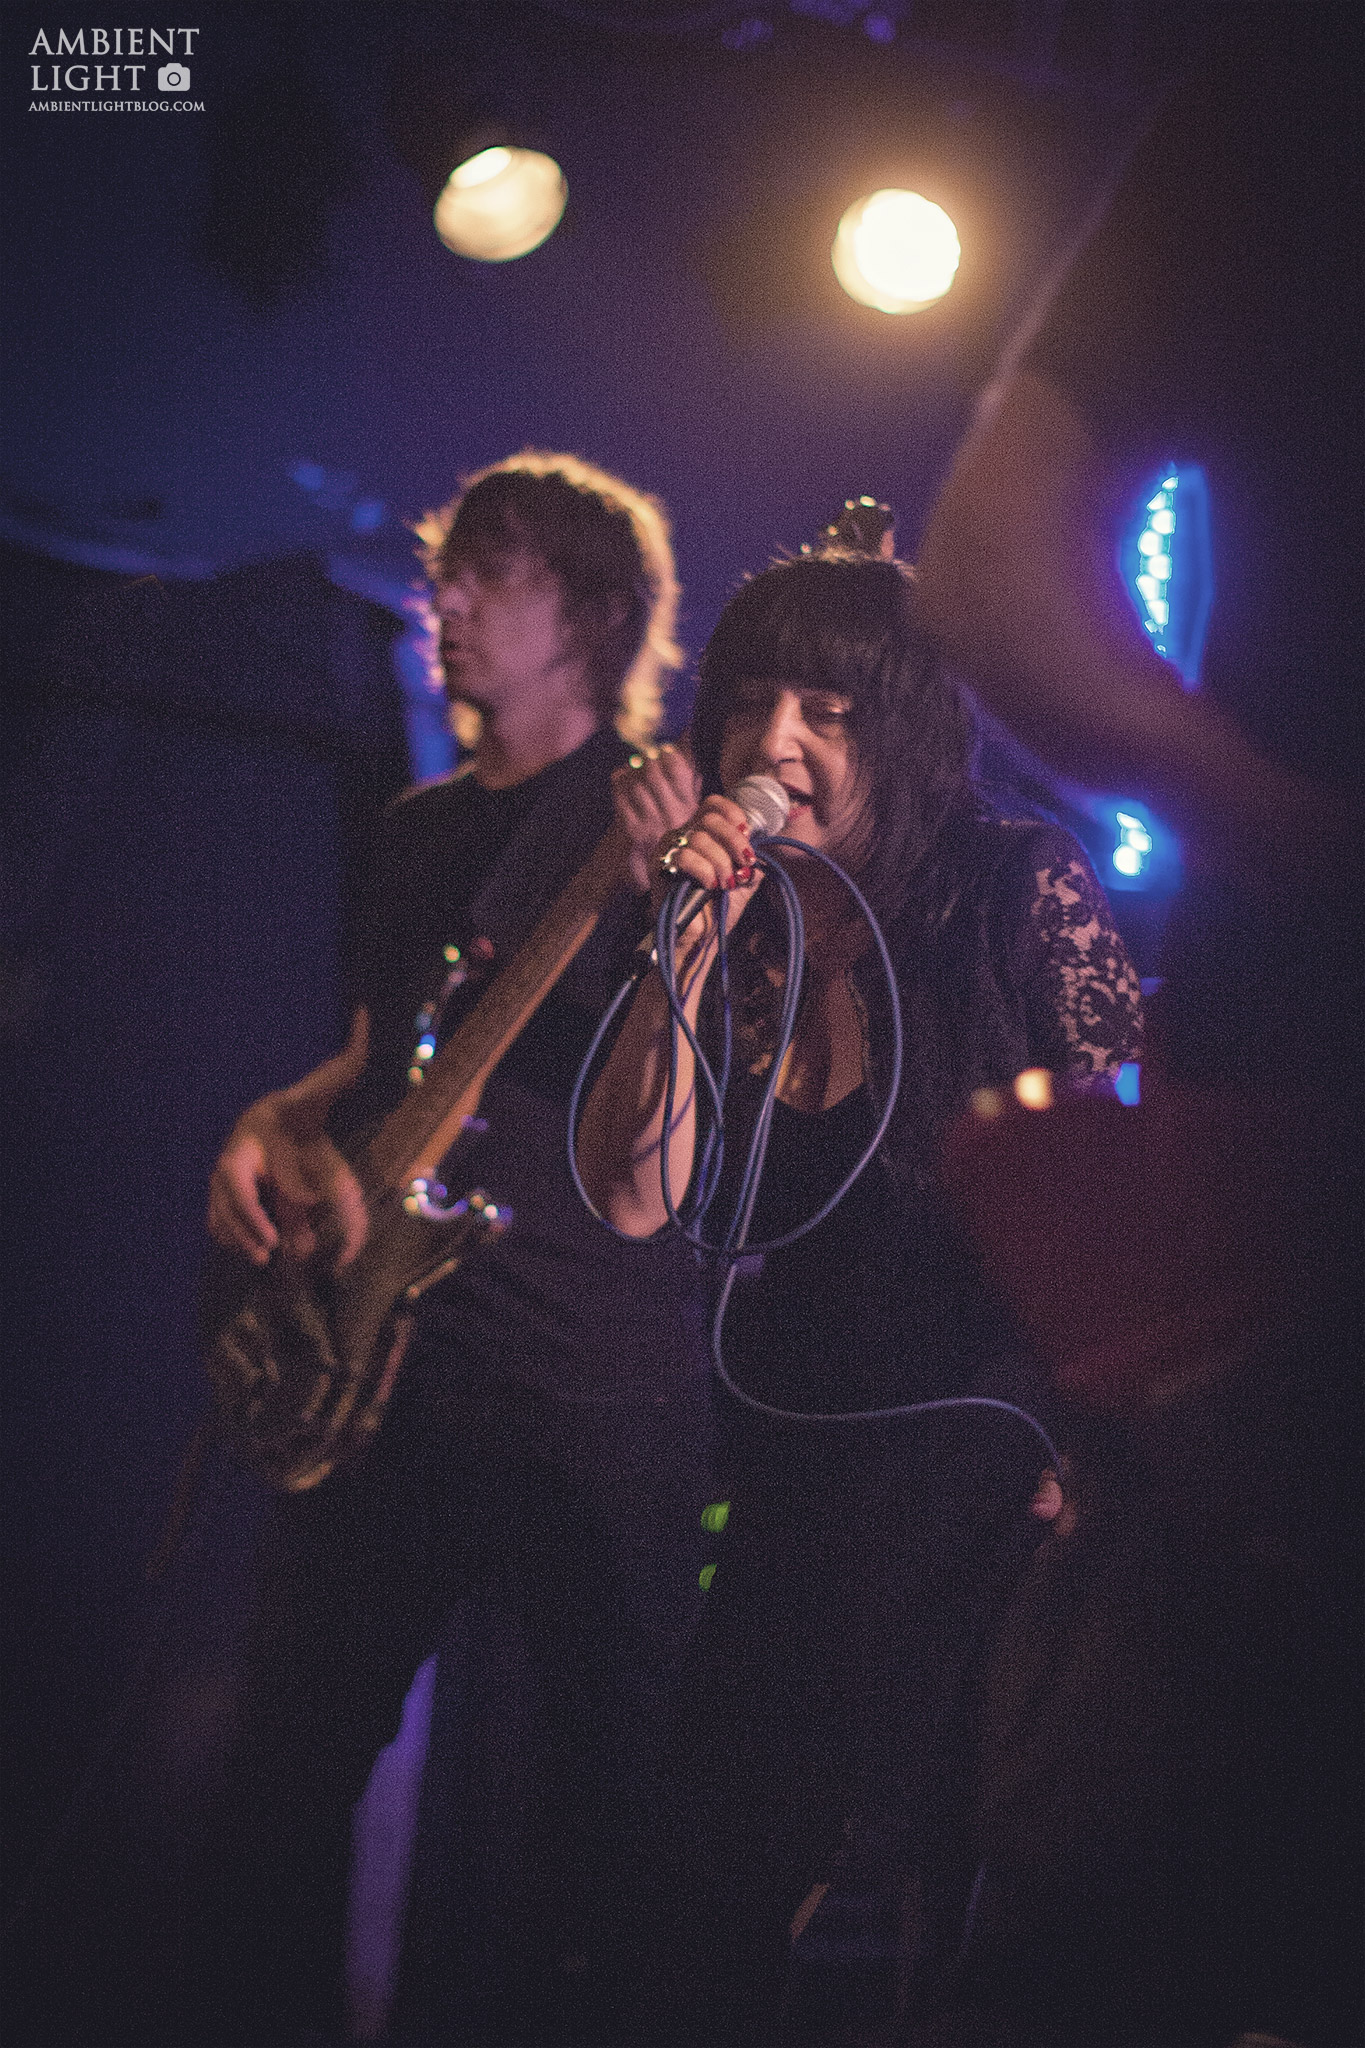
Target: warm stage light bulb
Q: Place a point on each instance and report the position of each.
(500, 204)
(477, 170)
(896, 251)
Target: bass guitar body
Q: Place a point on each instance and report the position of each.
(303, 1361)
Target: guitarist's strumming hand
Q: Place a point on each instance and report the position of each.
(279, 1153)
(655, 794)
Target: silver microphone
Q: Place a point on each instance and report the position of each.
(765, 805)
(764, 802)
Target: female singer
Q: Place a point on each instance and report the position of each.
(827, 1756)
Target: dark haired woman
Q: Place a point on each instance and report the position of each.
(862, 1562)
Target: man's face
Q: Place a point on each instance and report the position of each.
(504, 636)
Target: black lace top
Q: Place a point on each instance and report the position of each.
(883, 1302)
(1084, 992)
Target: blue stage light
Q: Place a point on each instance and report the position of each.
(1167, 562)
(1134, 847)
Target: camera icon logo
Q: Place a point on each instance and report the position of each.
(173, 78)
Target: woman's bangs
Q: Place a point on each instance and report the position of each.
(782, 628)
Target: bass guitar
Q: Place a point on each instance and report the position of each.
(302, 1360)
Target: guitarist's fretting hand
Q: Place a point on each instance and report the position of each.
(656, 794)
(279, 1150)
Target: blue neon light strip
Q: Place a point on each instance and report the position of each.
(1168, 566)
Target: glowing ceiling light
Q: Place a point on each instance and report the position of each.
(500, 204)
(896, 251)
(489, 163)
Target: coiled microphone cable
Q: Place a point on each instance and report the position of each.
(725, 1251)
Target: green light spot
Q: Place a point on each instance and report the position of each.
(705, 1576)
(714, 1517)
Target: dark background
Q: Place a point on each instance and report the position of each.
(201, 708)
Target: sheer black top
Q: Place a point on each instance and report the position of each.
(883, 1302)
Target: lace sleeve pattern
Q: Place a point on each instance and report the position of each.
(1082, 991)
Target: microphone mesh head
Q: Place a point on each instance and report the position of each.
(764, 802)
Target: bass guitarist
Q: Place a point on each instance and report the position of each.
(541, 1459)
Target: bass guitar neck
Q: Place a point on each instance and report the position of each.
(415, 1137)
